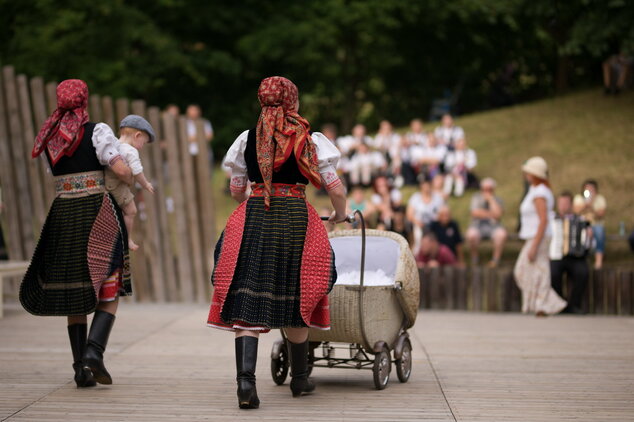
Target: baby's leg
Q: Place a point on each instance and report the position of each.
(129, 212)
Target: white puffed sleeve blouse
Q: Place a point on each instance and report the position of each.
(106, 144)
(327, 156)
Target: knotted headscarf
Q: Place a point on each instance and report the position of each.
(280, 131)
(62, 132)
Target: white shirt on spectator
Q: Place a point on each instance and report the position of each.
(387, 143)
(528, 213)
(426, 211)
(455, 158)
(347, 143)
(412, 141)
(427, 152)
(448, 135)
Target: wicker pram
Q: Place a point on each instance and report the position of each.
(372, 320)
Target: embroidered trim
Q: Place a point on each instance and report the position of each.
(238, 184)
(80, 183)
(279, 189)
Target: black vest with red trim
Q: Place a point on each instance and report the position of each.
(289, 172)
(84, 158)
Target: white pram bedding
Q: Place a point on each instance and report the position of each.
(381, 260)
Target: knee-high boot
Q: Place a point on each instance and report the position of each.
(246, 358)
(77, 337)
(97, 340)
(300, 384)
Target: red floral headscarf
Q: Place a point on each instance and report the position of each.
(280, 131)
(63, 130)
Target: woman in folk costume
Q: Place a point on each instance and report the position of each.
(274, 264)
(81, 263)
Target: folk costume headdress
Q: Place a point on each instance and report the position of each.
(280, 131)
(62, 132)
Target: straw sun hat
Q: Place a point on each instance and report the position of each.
(537, 167)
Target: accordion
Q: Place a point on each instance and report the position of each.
(569, 237)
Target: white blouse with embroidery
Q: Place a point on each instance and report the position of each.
(106, 144)
(328, 156)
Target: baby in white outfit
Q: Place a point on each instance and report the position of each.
(135, 132)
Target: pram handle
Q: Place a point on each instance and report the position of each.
(349, 219)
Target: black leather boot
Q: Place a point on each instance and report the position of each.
(97, 340)
(77, 337)
(300, 384)
(246, 358)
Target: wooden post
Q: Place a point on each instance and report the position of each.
(123, 109)
(20, 174)
(423, 294)
(33, 166)
(107, 112)
(154, 260)
(461, 289)
(94, 110)
(40, 114)
(182, 243)
(164, 229)
(10, 193)
(611, 291)
(51, 97)
(476, 289)
(625, 292)
(191, 209)
(598, 291)
(207, 217)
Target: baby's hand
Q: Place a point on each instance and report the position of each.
(149, 188)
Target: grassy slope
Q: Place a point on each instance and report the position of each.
(582, 135)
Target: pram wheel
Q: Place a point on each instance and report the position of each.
(404, 364)
(279, 362)
(382, 368)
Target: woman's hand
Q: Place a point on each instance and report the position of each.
(336, 217)
(532, 254)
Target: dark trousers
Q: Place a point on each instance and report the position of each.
(578, 273)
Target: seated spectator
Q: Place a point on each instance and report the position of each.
(438, 185)
(399, 224)
(422, 209)
(415, 138)
(387, 142)
(568, 251)
(382, 201)
(432, 254)
(330, 131)
(427, 160)
(447, 231)
(592, 205)
(448, 133)
(348, 144)
(364, 165)
(358, 202)
(459, 163)
(486, 214)
(616, 70)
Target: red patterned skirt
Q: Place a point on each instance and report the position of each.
(274, 268)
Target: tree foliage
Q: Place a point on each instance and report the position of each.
(353, 60)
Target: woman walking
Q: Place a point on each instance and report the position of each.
(274, 264)
(80, 264)
(532, 269)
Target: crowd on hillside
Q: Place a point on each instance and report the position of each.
(440, 163)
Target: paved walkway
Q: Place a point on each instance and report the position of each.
(167, 366)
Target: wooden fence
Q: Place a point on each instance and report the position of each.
(609, 291)
(175, 226)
